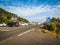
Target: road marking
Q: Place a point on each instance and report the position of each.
(15, 36)
(24, 33)
(4, 30)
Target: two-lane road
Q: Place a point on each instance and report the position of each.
(7, 34)
(26, 36)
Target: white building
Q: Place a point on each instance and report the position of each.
(14, 18)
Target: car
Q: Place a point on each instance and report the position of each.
(13, 24)
(2, 24)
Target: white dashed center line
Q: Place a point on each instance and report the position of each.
(15, 36)
(24, 33)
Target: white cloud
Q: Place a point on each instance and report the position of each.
(27, 11)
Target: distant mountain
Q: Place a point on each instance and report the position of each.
(6, 16)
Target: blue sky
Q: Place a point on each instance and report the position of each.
(33, 10)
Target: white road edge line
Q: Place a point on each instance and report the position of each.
(24, 33)
(15, 36)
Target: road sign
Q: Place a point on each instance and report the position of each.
(48, 19)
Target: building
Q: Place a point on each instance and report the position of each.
(14, 18)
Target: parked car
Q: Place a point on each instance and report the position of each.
(2, 24)
(13, 24)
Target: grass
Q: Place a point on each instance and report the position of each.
(53, 34)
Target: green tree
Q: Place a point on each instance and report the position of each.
(52, 27)
(58, 20)
(1, 19)
(22, 19)
(53, 19)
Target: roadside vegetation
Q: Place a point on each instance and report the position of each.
(53, 27)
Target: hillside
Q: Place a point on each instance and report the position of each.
(6, 16)
(6, 13)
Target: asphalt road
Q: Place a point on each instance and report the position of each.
(6, 34)
(26, 36)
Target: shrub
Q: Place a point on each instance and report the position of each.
(58, 31)
(51, 27)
